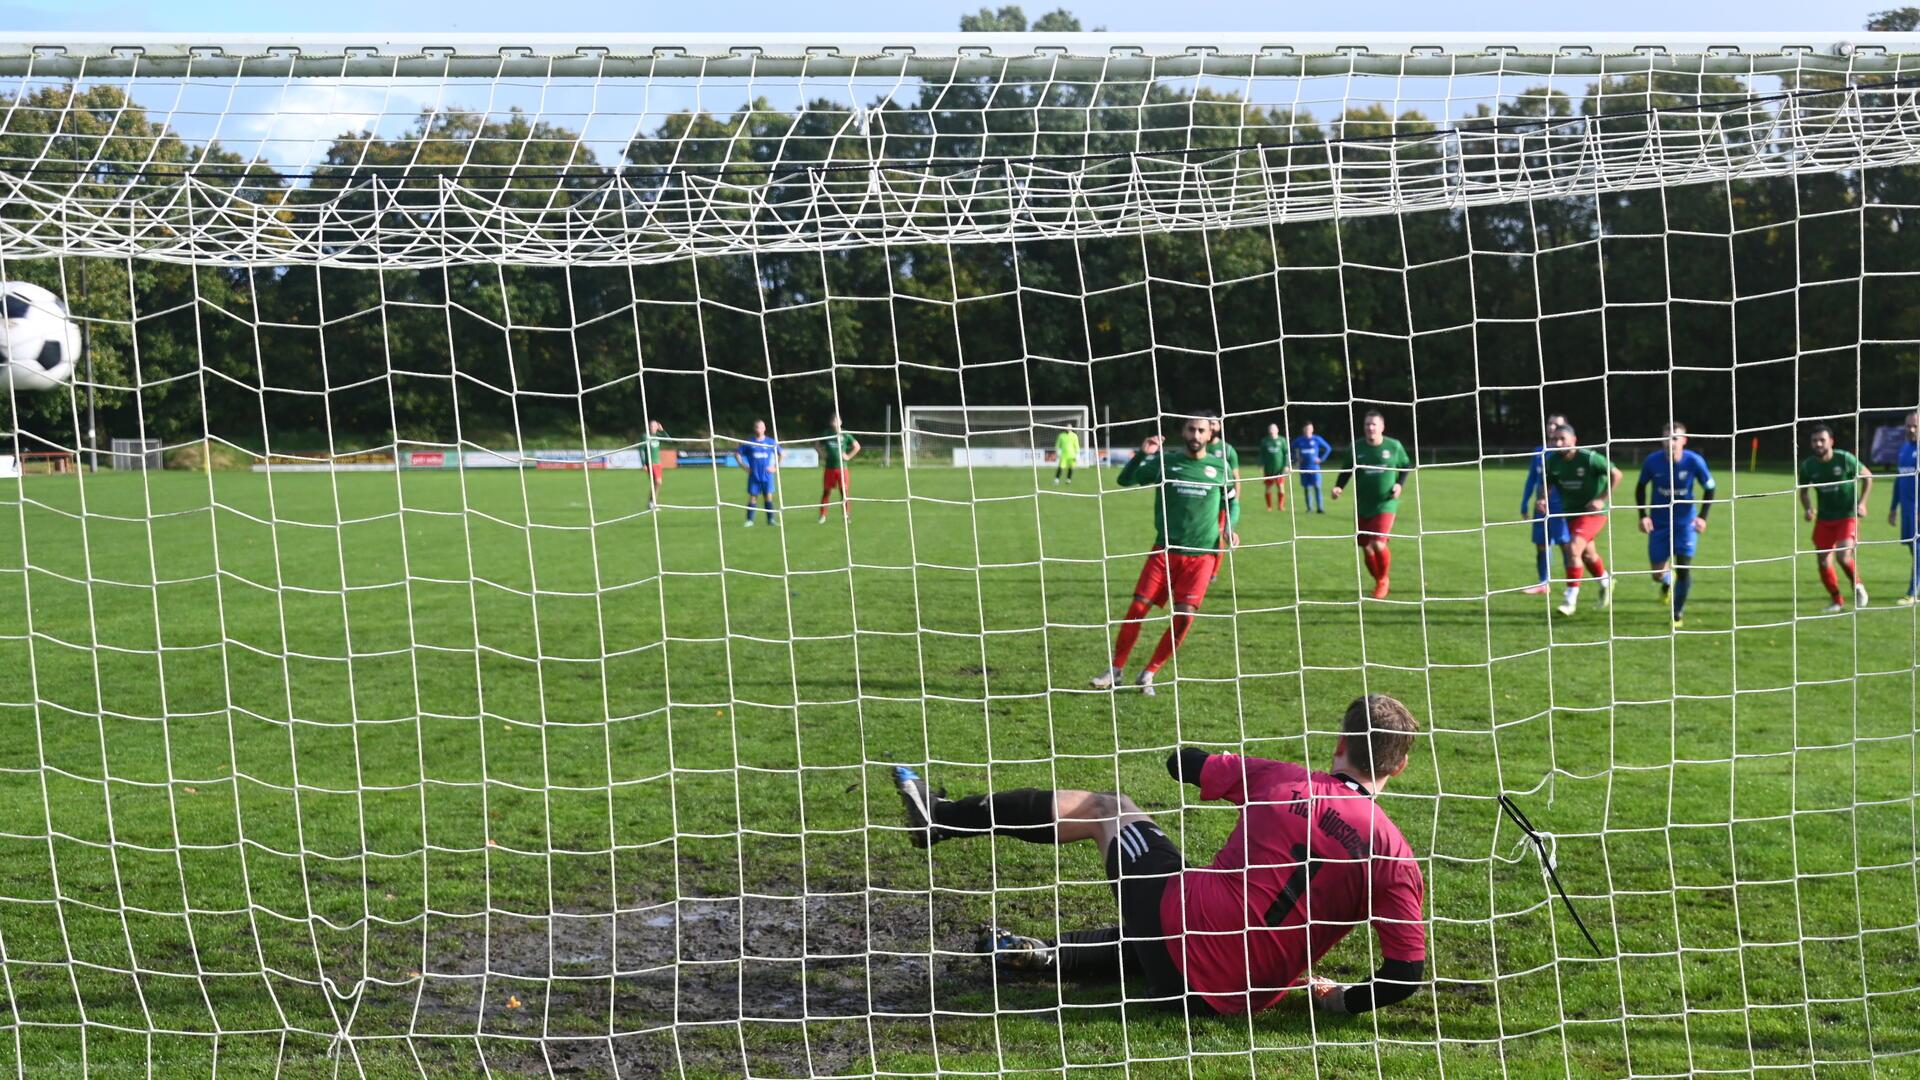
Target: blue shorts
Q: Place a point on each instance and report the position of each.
(759, 485)
(1310, 479)
(1550, 530)
(1907, 534)
(1664, 544)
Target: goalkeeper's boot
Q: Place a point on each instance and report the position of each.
(920, 800)
(1145, 682)
(1106, 679)
(1859, 595)
(1015, 953)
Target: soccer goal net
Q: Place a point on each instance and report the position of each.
(986, 435)
(425, 707)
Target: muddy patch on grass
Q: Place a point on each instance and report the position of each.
(767, 985)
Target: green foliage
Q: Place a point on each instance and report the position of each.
(1012, 19)
(1900, 19)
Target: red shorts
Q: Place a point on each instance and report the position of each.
(1277, 481)
(659, 472)
(1373, 528)
(1586, 526)
(1190, 575)
(1831, 535)
(833, 479)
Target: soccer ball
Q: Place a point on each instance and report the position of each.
(39, 344)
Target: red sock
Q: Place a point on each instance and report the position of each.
(1832, 581)
(1853, 571)
(1573, 576)
(1385, 559)
(1129, 633)
(1169, 641)
(1269, 494)
(1594, 564)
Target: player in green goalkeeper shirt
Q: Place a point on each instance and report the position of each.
(1383, 469)
(1584, 478)
(1273, 467)
(1187, 515)
(1066, 453)
(1829, 480)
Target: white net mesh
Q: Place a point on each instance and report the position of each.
(406, 724)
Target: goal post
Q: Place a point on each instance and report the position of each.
(398, 761)
(995, 435)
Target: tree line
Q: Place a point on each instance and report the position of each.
(1732, 304)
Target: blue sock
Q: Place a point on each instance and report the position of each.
(1682, 585)
(1540, 563)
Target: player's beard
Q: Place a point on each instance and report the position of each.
(1195, 449)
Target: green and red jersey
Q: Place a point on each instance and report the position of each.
(836, 444)
(1584, 477)
(1376, 469)
(1192, 492)
(1836, 491)
(1273, 455)
(650, 447)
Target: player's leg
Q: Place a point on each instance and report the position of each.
(1682, 586)
(1913, 554)
(1190, 576)
(1035, 815)
(1573, 553)
(1846, 557)
(1266, 491)
(1383, 561)
(1057, 467)
(1280, 485)
(752, 492)
(1070, 465)
(1829, 578)
(1149, 592)
(1169, 641)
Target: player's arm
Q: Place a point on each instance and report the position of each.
(1393, 981)
(1346, 478)
(1806, 496)
(1640, 498)
(1144, 466)
(1707, 488)
(1866, 486)
(1233, 519)
(1614, 477)
(1536, 483)
(1218, 776)
(853, 451)
(1398, 893)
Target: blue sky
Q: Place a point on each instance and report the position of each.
(373, 16)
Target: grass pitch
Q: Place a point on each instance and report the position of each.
(497, 774)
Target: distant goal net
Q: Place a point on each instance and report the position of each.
(418, 656)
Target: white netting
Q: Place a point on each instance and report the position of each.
(393, 729)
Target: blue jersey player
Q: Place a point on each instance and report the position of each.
(761, 456)
(1669, 515)
(1904, 514)
(1310, 451)
(1550, 528)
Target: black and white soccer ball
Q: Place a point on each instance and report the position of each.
(39, 341)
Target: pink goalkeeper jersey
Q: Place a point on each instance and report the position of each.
(1309, 860)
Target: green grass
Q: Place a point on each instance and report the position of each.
(390, 758)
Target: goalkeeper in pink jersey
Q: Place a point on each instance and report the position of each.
(1312, 857)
